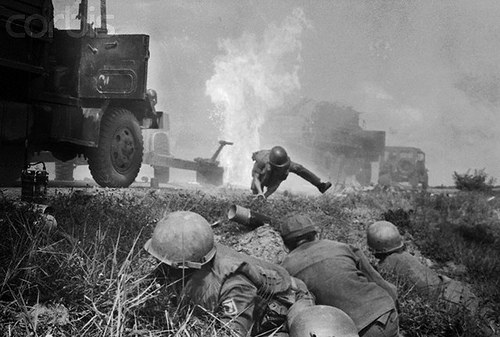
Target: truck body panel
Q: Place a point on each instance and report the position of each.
(113, 66)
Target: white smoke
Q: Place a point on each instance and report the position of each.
(251, 77)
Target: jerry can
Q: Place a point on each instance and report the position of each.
(34, 182)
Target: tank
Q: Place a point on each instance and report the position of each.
(328, 136)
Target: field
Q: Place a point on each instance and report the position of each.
(91, 277)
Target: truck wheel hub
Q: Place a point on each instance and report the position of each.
(122, 149)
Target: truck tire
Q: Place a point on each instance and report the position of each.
(117, 160)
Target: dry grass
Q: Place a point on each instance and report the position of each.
(99, 284)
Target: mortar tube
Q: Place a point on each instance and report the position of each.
(247, 217)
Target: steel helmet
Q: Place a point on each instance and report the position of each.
(182, 240)
(278, 157)
(383, 237)
(322, 321)
(296, 226)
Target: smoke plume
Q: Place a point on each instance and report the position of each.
(251, 77)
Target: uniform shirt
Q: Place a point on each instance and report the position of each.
(331, 272)
(271, 177)
(245, 291)
(423, 278)
(427, 281)
(268, 176)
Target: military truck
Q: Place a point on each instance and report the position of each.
(74, 92)
(329, 137)
(403, 165)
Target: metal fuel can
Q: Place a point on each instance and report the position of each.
(34, 181)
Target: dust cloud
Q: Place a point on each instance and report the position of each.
(427, 72)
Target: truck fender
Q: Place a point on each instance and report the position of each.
(92, 124)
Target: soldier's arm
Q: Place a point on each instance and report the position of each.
(271, 189)
(295, 167)
(257, 170)
(237, 302)
(373, 275)
(257, 184)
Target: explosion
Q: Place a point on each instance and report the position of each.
(252, 77)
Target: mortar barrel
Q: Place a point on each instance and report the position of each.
(247, 217)
(239, 214)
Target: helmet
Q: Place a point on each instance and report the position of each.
(323, 321)
(152, 96)
(295, 226)
(182, 240)
(278, 157)
(383, 237)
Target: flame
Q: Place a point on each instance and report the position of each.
(251, 78)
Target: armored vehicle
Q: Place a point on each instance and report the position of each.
(328, 136)
(75, 91)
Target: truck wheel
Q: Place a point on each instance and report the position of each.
(117, 160)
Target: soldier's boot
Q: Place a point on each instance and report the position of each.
(323, 187)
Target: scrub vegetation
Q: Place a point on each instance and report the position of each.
(91, 277)
(476, 181)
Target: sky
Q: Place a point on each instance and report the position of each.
(426, 72)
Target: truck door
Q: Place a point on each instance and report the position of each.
(113, 66)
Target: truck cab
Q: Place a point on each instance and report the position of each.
(73, 91)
